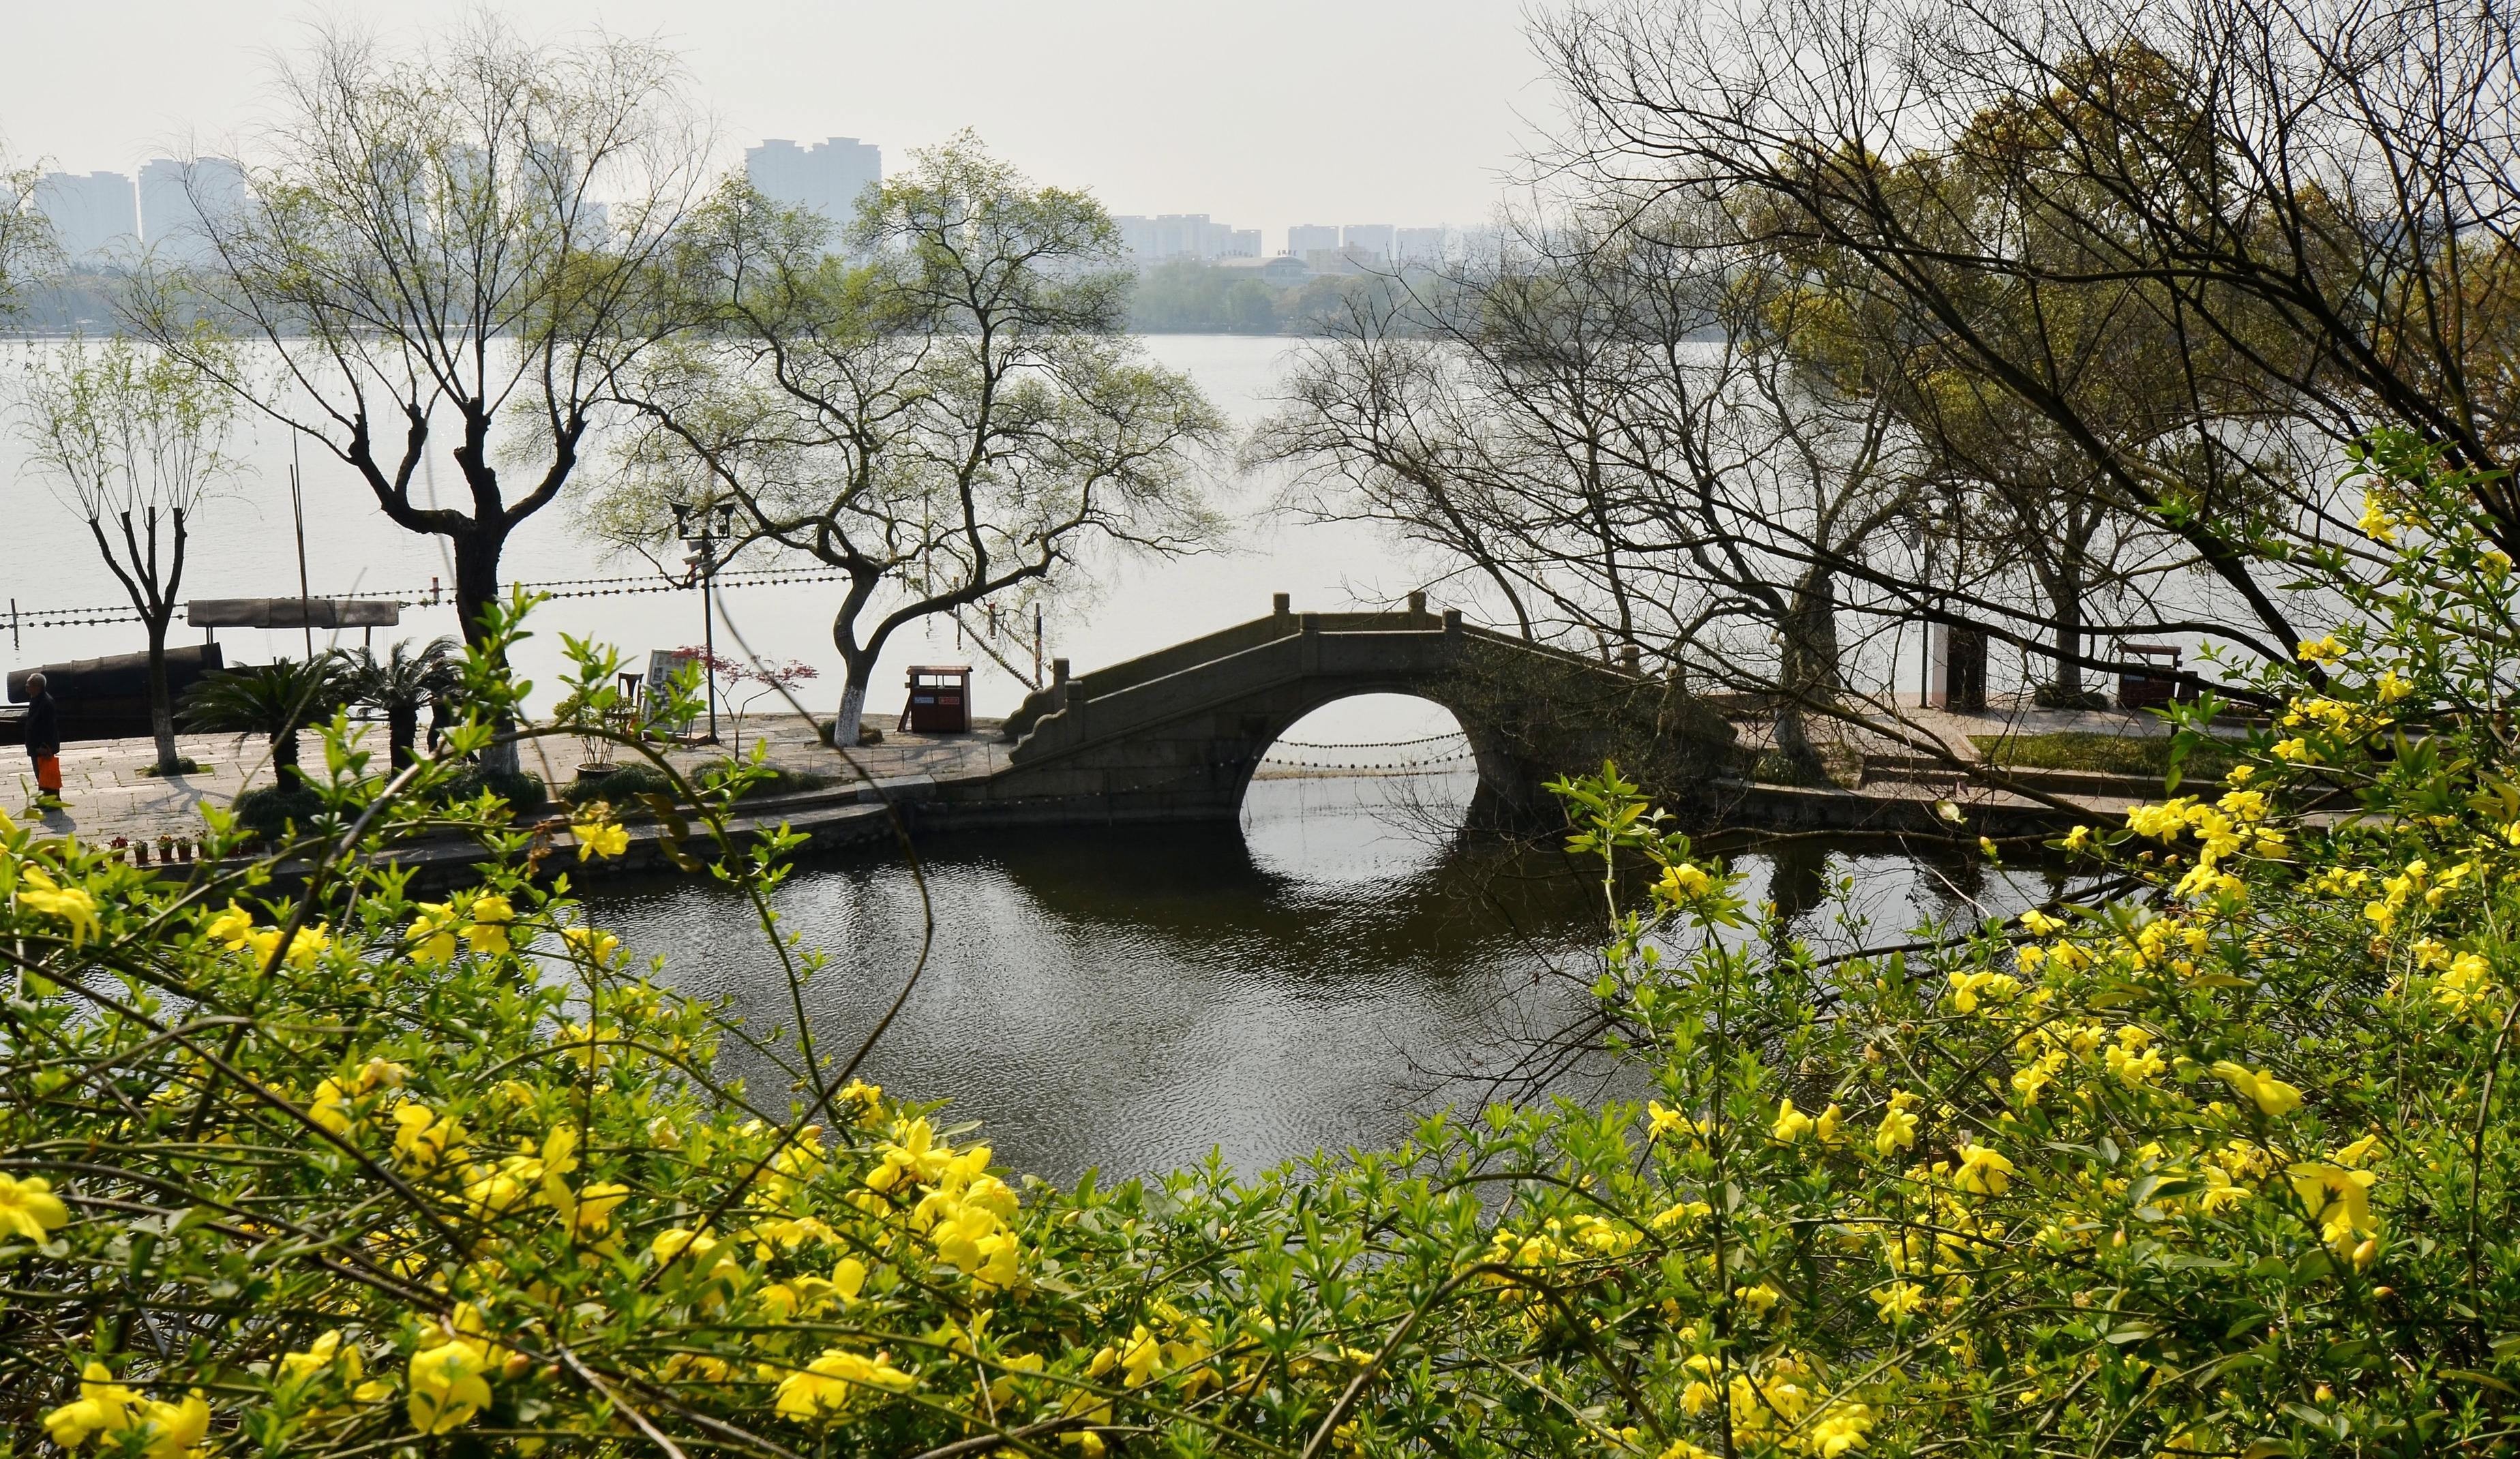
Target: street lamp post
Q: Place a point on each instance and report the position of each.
(701, 528)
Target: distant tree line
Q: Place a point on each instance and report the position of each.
(1189, 297)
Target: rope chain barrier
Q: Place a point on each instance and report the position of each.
(422, 598)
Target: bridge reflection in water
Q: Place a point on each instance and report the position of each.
(1130, 997)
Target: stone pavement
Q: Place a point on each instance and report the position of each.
(107, 795)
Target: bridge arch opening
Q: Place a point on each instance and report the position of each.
(1366, 786)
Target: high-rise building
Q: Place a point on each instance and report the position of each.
(94, 217)
(1417, 244)
(171, 197)
(1369, 239)
(1305, 237)
(1171, 236)
(825, 177)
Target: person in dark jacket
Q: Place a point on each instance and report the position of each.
(44, 739)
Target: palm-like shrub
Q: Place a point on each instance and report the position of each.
(402, 685)
(275, 700)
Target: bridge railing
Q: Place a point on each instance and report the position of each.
(1224, 642)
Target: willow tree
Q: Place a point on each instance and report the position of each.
(135, 439)
(948, 412)
(462, 239)
(27, 243)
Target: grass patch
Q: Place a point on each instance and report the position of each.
(184, 765)
(2102, 754)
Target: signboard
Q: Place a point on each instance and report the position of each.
(664, 666)
(293, 612)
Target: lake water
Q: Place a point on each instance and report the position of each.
(1338, 965)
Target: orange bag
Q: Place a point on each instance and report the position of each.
(48, 774)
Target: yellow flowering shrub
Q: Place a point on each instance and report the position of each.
(2223, 1162)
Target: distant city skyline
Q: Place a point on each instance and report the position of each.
(1095, 94)
(105, 215)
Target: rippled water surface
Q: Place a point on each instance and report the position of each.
(1134, 998)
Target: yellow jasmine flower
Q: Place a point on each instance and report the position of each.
(29, 1209)
(829, 1384)
(589, 942)
(1684, 882)
(1791, 1123)
(73, 904)
(1899, 1302)
(2324, 649)
(421, 1139)
(230, 928)
(1898, 1131)
(2273, 1095)
(2079, 838)
(330, 1107)
(103, 1407)
(175, 1430)
(432, 934)
(325, 1355)
(305, 945)
(490, 917)
(2464, 984)
(2294, 751)
(1983, 1171)
(2392, 688)
(595, 1208)
(447, 1386)
(1758, 1299)
(600, 838)
(1838, 1431)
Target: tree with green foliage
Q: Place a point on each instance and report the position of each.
(949, 413)
(27, 249)
(455, 249)
(135, 438)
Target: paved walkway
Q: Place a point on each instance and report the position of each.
(108, 792)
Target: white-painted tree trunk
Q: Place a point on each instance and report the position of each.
(844, 731)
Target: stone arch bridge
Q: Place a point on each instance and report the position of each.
(1177, 735)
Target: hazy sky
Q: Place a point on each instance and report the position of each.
(1258, 113)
